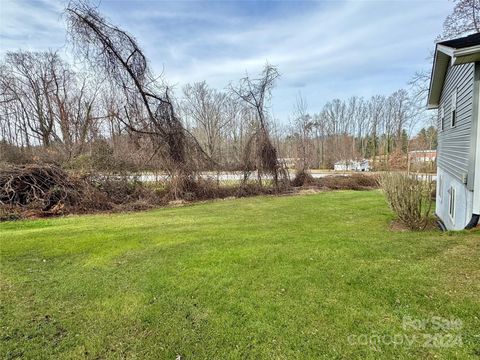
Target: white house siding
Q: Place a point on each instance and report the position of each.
(463, 201)
(455, 146)
(454, 143)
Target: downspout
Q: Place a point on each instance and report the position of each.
(476, 184)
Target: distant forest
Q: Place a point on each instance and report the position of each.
(117, 116)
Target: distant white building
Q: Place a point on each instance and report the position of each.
(352, 165)
(343, 166)
(423, 156)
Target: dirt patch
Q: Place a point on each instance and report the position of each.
(397, 226)
(308, 191)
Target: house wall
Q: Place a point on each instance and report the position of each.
(456, 145)
(463, 201)
(474, 140)
(454, 142)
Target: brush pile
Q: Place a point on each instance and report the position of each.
(348, 182)
(47, 189)
(28, 191)
(40, 190)
(336, 182)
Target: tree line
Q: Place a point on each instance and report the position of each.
(67, 116)
(115, 114)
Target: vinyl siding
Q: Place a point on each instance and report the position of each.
(454, 143)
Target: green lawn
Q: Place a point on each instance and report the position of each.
(313, 276)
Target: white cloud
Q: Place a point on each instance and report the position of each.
(31, 26)
(329, 49)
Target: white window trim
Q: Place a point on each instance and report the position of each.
(451, 206)
(453, 108)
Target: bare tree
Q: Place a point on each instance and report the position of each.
(28, 82)
(206, 108)
(260, 152)
(464, 20)
(237, 131)
(303, 126)
(149, 108)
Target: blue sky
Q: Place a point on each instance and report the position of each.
(323, 49)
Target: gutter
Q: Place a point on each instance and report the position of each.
(472, 50)
(467, 51)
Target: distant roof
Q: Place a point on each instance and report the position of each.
(463, 42)
(449, 53)
(423, 151)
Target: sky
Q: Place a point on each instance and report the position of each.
(323, 49)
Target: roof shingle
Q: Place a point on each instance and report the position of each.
(463, 42)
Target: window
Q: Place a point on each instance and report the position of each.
(454, 108)
(442, 117)
(451, 203)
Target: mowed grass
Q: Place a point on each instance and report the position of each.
(307, 277)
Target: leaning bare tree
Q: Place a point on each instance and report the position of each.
(148, 106)
(260, 153)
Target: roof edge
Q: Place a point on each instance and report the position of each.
(450, 53)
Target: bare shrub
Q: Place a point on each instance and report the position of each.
(12, 154)
(352, 182)
(302, 178)
(409, 197)
(206, 189)
(336, 182)
(253, 189)
(123, 190)
(9, 213)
